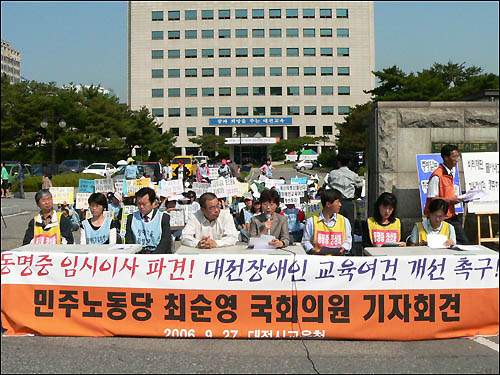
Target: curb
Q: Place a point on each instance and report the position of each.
(10, 210)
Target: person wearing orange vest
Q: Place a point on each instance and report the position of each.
(441, 187)
(383, 227)
(435, 224)
(48, 227)
(329, 229)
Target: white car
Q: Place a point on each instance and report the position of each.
(304, 164)
(103, 169)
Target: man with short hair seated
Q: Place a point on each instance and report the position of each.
(209, 227)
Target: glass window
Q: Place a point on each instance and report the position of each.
(292, 13)
(309, 33)
(274, 13)
(292, 71)
(258, 72)
(224, 52)
(207, 91)
(342, 13)
(293, 110)
(208, 131)
(257, 33)
(207, 53)
(344, 110)
(192, 72)
(276, 91)
(241, 72)
(224, 111)
(343, 71)
(342, 33)
(344, 90)
(224, 72)
(241, 52)
(327, 90)
(192, 112)
(224, 33)
(276, 111)
(309, 51)
(241, 14)
(190, 91)
(174, 92)
(207, 34)
(157, 73)
(174, 112)
(241, 91)
(207, 72)
(309, 110)
(327, 130)
(342, 51)
(207, 14)
(259, 111)
(191, 132)
(308, 13)
(176, 34)
(292, 90)
(157, 15)
(325, 33)
(274, 33)
(310, 71)
(174, 15)
(174, 53)
(241, 111)
(157, 93)
(258, 13)
(157, 112)
(292, 33)
(327, 71)
(275, 71)
(327, 110)
(157, 35)
(275, 52)
(258, 52)
(326, 51)
(309, 90)
(325, 13)
(207, 111)
(224, 14)
(157, 54)
(174, 131)
(241, 33)
(190, 15)
(259, 91)
(292, 51)
(191, 34)
(310, 130)
(224, 91)
(174, 73)
(190, 53)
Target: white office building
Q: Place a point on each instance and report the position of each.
(265, 70)
(11, 62)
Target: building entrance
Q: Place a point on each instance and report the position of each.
(256, 155)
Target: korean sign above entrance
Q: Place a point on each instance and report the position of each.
(251, 121)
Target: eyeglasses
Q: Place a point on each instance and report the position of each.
(214, 208)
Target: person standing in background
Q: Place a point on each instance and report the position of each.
(46, 176)
(20, 177)
(167, 171)
(267, 169)
(5, 182)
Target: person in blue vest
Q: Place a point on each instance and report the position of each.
(98, 230)
(296, 219)
(148, 226)
(131, 170)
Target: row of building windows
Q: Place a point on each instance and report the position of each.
(291, 71)
(326, 110)
(11, 61)
(243, 52)
(276, 131)
(256, 33)
(175, 92)
(9, 69)
(225, 14)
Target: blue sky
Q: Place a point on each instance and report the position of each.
(85, 42)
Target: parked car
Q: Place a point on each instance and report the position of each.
(37, 169)
(304, 164)
(13, 171)
(200, 158)
(73, 166)
(103, 169)
(120, 172)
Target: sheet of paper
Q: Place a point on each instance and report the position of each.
(436, 241)
(390, 244)
(468, 247)
(122, 246)
(261, 243)
(472, 195)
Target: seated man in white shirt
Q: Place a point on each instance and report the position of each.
(210, 227)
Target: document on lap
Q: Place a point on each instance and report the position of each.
(261, 243)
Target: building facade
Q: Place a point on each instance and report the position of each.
(253, 72)
(11, 62)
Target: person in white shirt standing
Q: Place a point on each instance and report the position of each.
(210, 227)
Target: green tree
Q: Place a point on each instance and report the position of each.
(210, 144)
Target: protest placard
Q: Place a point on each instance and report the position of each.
(62, 194)
(225, 187)
(176, 218)
(201, 188)
(243, 188)
(126, 210)
(119, 187)
(313, 207)
(131, 187)
(299, 180)
(86, 186)
(82, 201)
(213, 173)
(104, 185)
(169, 188)
(141, 182)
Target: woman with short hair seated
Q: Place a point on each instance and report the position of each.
(98, 230)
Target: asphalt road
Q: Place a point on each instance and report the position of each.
(153, 355)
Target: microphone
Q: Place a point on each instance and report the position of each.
(268, 217)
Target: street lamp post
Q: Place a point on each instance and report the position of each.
(62, 125)
(241, 159)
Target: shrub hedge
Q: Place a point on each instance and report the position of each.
(70, 179)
